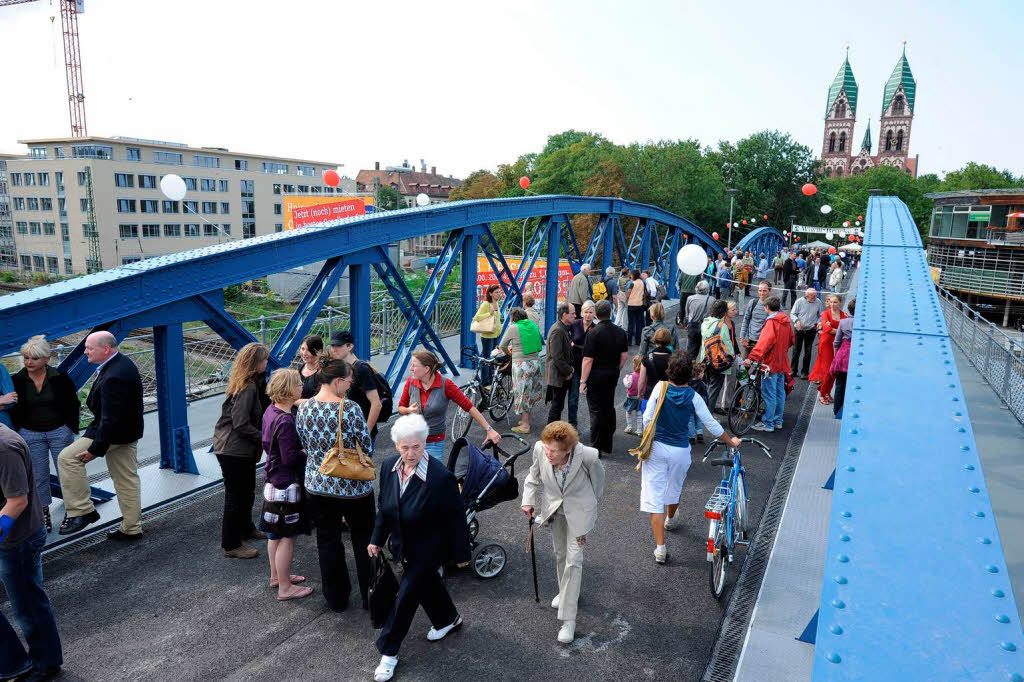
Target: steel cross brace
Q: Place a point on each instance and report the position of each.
(569, 243)
(226, 326)
(306, 313)
(77, 366)
(639, 252)
(506, 278)
(537, 242)
(597, 241)
(666, 269)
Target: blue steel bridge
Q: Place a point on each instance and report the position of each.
(910, 578)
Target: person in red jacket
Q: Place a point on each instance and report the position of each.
(772, 349)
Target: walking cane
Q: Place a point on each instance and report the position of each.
(533, 558)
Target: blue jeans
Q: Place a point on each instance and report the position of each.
(21, 570)
(817, 285)
(436, 450)
(44, 446)
(773, 390)
(696, 426)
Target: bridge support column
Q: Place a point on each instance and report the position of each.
(359, 307)
(551, 275)
(169, 357)
(467, 339)
(608, 247)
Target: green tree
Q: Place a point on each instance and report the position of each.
(389, 199)
(481, 184)
(979, 176)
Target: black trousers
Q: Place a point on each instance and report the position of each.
(790, 285)
(778, 275)
(420, 586)
(837, 405)
(693, 342)
(239, 496)
(715, 381)
(803, 345)
(360, 515)
(635, 318)
(557, 403)
(601, 403)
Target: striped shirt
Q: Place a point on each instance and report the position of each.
(403, 480)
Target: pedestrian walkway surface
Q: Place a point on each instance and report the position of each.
(171, 607)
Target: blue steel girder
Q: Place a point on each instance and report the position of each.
(503, 273)
(597, 241)
(620, 241)
(766, 240)
(569, 243)
(72, 305)
(77, 365)
(537, 243)
(227, 327)
(666, 268)
(309, 307)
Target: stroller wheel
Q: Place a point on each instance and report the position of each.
(489, 560)
(474, 528)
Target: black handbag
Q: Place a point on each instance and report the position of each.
(383, 590)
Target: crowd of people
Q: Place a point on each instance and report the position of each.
(317, 426)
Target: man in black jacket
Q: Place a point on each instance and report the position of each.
(559, 365)
(604, 354)
(116, 404)
(790, 275)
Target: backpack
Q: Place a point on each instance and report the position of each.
(662, 293)
(714, 351)
(387, 399)
(599, 292)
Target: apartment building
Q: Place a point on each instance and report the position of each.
(8, 249)
(91, 203)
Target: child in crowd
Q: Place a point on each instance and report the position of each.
(701, 389)
(633, 393)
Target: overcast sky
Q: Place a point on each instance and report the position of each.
(469, 85)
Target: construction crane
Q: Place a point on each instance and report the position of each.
(69, 11)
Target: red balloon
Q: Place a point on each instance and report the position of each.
(714, 235)
(744, 222)
(831, 249)
(727, 224)
(860, 217)
(765, 216)
(331, 178)
(809, 190)
(853, 238)
(524, 182)
(796, 239)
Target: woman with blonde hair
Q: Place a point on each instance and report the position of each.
(238, 443)
(283, 515)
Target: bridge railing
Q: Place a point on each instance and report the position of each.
(996, 356)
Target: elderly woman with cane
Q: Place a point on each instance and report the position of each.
(422, 521)
(570, 477)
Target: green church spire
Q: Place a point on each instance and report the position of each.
(866, 144)
(844, 80)
(901, 75)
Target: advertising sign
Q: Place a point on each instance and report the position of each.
(304, 211)
(485, 277)
(811, 229)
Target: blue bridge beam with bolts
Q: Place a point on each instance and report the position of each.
(167, 291)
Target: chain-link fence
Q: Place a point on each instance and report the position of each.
(996, 356)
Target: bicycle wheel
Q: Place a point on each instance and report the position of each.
(719, 562)
(461, 421)
(739, 522)
(743, 410)
(501, 398)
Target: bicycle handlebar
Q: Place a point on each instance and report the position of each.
(764, 448)
(515, 455)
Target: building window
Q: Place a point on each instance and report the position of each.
(37, 152)
(19, 203)
(208, 185)
(147, 182)
(289, 189)
(277, 209)
(172, 158)
(210, 207)
(277, 188)
(210, 230)
(842, 142)
(21, 226)
(278, 227)
(38, 263)
(124, 180)
(191, 206)
(26, 263)
(82, 179)
(149, 205)
(45, 204)
(303, 189)
(126, 205)
(840, 109)
(133, 154)
(83, 205)
(248, 187)
(191, 229)
(899, 140)
(65, 233)
(15, 179)
(30, 179)
(207, 161)
(314, 190)
(225, 207)
(241, 164)
(897, 105)
(51, 265)
(44, 179)
(68, 267)
(129, 231)
(248, 229)
(831, 143)
(49, 229)
(888, 141)
(150, 231)
(172, 230)
(190, 184)
(88, 231)
(248, 209)
(58, 152)
(225, 228)
(839, 171)
(170, 206)
(33, 204)
(306, 171)
(34, 228)
(271, 167)
(128, 260)
(92, 151)
(59, 177)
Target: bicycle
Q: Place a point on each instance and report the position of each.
(746, 404)
(726, 511)
(497, 399)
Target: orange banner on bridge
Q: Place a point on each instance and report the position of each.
(485, 277)
(303, 211)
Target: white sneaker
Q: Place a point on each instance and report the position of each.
(672, 522)
(556, 601)
(660, 554)
(568, 632)
(386, 669)
(761, 426)
(435, 635)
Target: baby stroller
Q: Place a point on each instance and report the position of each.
(485, 481)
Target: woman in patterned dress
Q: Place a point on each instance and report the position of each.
(333, 500)
(523, 341)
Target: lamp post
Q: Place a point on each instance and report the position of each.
(732, 195)
(792, 224)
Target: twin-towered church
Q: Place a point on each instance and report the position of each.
(838, 156)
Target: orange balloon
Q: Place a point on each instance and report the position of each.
(809, 189)
(331, 178)
(714, 235)
(524, 182)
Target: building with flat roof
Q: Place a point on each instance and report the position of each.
(8, 248)
(976, 240)
(84, 204)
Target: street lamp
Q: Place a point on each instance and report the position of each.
(732, 195)
(792, 224)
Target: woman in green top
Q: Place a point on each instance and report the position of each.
(523, 341)
(490, 307)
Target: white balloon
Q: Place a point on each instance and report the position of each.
(829, 235)
(422, 199)
(692, 259)
(842, 233)
(826, 209)
(858, 223)
(753, 220)
(735, 224)
(173, 187)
